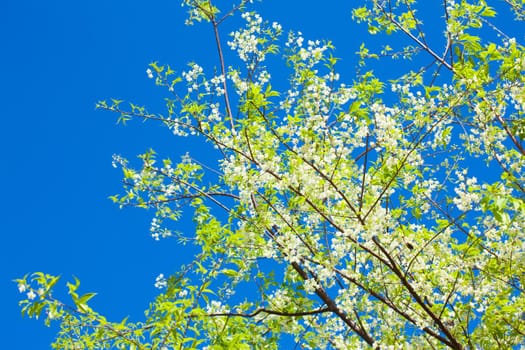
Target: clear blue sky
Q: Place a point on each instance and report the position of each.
(58, 58)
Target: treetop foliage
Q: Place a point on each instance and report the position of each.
(376, 213)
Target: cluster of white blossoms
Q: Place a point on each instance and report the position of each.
(262, 77)
(216, 306)
(279, 299)
(218, 84)
(312, 54)
(402, 88)
(295, 39)
(252, 49)
(117, 160)
(387, 129)
(466, 191)
(194, 13)
(149, 72)
(310, 285)
(314, 50)
(161, 282)
(214, 114)
(30, 292)
(158, 232)
(240, 84)
(246, 41)
(515, 95)
(192, 77)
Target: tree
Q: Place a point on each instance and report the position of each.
(382, 214)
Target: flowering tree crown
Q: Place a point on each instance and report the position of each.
(338, 215)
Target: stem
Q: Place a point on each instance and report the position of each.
(223, 72)
(269, 312)
(452, 341)
(414, 38)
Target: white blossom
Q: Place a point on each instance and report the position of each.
(31, 294)
(149, 73)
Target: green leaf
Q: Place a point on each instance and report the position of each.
(230, 272)
(488, 12)
(85, 298)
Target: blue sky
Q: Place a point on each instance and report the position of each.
(58, 59)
